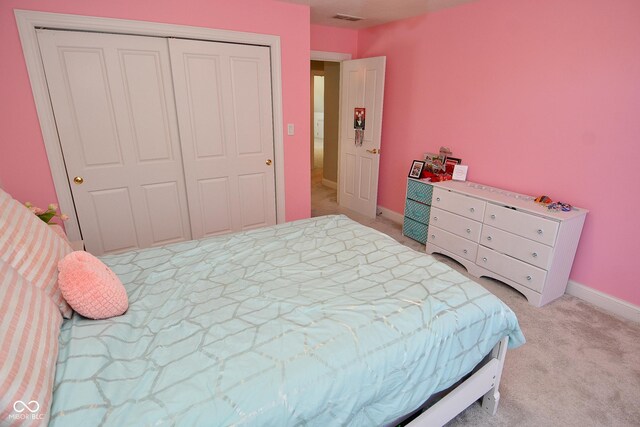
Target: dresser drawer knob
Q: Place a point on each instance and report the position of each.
(433, 236)
(529, 278)
(539, 230)
(468, 230)
(484, 259)
(437, 199)
(465, 251)
(472, 210)
(493, 216)
(489, 238)
(535, 255)
(435, 218)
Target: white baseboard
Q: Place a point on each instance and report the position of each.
(392, 215)
(330, 184)
(604, 301)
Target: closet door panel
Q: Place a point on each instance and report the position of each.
(112, 96)
(223, 100)
(245, 76)
(88, 89)
(214, 198)
(147, 105)
(205, 105)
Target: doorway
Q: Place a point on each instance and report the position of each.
(324, 110)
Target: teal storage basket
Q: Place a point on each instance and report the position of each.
(418, 211)
(419, 191)
(415, 230)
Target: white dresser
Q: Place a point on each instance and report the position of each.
(506, 236)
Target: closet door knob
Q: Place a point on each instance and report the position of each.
(268, 162)
(78, 180)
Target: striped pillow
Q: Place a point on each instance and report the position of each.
(29, 328)
(32, 248)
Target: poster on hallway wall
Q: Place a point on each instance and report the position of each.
(358, 125)
(358, 118)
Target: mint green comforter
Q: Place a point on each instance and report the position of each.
(319, 322)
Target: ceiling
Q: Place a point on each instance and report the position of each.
(374, 12)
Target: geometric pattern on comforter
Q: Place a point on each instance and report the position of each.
(321, 322)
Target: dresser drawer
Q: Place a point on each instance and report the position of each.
(454, 244)
(511, 268)
(414, 230)
(419, 191)
(459, 204)
(456, 224)
(417, 211)
(521, 223)
(525, 250)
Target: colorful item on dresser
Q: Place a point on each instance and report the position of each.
(544, 200)
(559, 206)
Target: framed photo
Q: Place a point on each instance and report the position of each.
(434, 162)
(416, 169)
(450, 163)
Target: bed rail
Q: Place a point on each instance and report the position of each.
(484, 382)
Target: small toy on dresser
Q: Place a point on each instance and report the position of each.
(553, 206)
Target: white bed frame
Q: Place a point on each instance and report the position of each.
(484, 382)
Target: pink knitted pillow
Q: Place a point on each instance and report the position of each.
(90, 287)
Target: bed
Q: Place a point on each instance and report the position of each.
(321, 321)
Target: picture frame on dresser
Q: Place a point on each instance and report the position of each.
(450, 163)
(416, 169)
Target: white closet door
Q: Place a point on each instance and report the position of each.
(114, 108)
(223, 99)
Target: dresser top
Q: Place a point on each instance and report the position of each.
(511, 199)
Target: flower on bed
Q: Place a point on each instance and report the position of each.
(48, 214)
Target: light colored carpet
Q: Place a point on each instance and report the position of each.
(579, 367)
(318, 153)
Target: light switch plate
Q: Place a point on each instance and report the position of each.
(290, 129)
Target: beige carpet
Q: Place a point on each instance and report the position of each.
(579, 367)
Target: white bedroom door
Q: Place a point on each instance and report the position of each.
(113, 101)
(362, 87)
(223, 99)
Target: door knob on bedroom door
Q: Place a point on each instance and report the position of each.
(268, 162)
(78, 180)
(374, 151)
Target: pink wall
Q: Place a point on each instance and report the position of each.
(539, 97)
(24, 170)
(330, 39)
